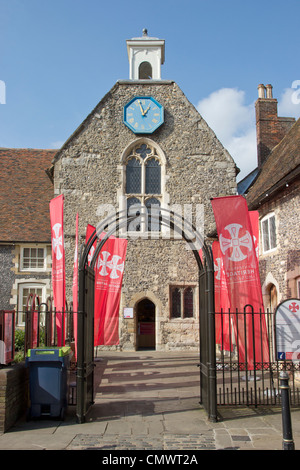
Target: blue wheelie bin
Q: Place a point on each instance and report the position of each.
(48, 381)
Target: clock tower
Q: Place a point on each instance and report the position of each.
(146, 55)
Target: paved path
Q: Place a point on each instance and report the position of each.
(150, 401)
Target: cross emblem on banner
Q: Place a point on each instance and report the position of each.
(113, 265)
(57, 241)
(218, 267)
(235, 242)
(293, 307)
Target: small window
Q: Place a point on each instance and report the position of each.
(33, 259)
(176, 303)
(145, 71)
(182, 302)
(298, 287)
(24, 291)
(268, 231)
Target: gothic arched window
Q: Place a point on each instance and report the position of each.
(143, 187)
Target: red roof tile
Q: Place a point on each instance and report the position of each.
(25, 192)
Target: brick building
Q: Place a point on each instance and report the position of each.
(273, 190)
(25, 241)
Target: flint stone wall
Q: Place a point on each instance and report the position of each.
(89, 172)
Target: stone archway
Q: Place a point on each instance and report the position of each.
(112, 225)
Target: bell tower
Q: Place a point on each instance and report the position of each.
(146, 55)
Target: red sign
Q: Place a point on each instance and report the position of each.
(222, 304)
(108, 284)
(109, 269)
(241, 273)
(58, 264)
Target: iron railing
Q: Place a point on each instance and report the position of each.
(255, 384)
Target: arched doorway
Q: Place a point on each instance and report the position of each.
(145, 318)
(113, 224)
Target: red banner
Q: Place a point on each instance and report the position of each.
(89, 231)
(108, 284)
(222, 305)
(109, 270)
(58, 264)
(242, 274)
(75, 285)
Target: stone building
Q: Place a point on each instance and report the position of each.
(144, 143)
(274, 190)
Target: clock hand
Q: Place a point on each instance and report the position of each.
(142, 111)
(146, 110)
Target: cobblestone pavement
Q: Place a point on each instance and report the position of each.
(167, 442)
(149, 401)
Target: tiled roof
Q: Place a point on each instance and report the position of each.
(25, 192)
(281, 166)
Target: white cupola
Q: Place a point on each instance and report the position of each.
(145, 55)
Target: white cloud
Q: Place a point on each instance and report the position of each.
(233, 122)
(57, 145)
(289, 103)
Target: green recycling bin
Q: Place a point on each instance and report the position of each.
(48, 381)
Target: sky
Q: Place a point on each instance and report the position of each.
(58, 58)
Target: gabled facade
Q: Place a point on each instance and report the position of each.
(276, 195)
(108, 166)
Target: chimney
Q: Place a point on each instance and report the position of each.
(270, 129)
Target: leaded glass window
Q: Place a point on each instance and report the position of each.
(134, 208)
(153, 206)
(176, 303)
(133, 176)
(143, 178)
(153, 176)
(182, 302)
(188, 303)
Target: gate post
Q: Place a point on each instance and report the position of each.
(288, 443)
(80, 349)
(212, 346)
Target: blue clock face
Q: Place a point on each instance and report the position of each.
(143, 115)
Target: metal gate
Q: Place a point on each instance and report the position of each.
(258, 385)
(85, 341)
(207, 364)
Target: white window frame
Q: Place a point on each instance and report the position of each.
(30, 269)
(263, 220)
(28, 285)
(298, 287)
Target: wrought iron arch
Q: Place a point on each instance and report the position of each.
(85, 347)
